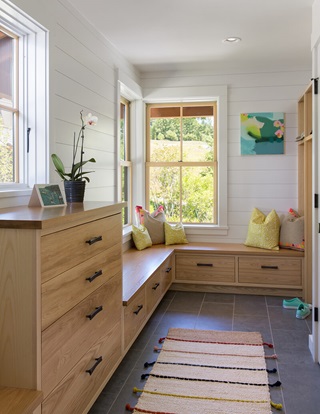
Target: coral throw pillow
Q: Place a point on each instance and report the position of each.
(141, 237)
(153, 222)
(292, 231)
(263, 230)
(174, 234)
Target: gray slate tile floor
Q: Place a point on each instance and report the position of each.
(300, 376)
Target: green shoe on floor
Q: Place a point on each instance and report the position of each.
(294, 303)
(303, 311)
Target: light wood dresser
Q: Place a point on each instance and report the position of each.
(60, 304)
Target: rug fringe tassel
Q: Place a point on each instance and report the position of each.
(149, 364)
(129, 408)
(276, 384)
(274, 356)
(268, 345)
(161, 340)
(276, 406)
(156, 349)
(272, 371)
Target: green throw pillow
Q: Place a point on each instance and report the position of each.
(263, 230)
(141, 237)
(174, 234)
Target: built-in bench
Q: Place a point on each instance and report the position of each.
(205, 267)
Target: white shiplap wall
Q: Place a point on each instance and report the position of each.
(262, 181)
(83, 75)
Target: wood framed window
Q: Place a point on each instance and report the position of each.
(125, 160)
(181, 167)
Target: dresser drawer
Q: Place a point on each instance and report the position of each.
(270, 271)
(75, 391)
(67, 248)
(134, 316)
(205, 268)
(62, 293)
(66, 340)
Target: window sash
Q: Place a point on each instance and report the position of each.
(192, 109)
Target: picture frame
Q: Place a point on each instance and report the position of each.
(47, 195)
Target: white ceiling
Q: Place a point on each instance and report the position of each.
(188, 34)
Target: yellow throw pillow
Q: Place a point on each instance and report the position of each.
(174, 234)
(263, 230)
(141, 237)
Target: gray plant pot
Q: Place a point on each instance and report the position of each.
(74, 191)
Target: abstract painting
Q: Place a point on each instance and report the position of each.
(262, 133)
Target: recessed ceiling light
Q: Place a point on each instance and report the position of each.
(232, 39)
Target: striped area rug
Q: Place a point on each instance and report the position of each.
(200, 372)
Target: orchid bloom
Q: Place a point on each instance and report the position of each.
(91, 119)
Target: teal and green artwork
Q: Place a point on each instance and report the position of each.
(262, 133)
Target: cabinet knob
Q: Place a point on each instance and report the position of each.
(205, 264)
(98, 361)
(168, 269)
(269, 267)
(94, 240)
(94, 313)
(156, 285)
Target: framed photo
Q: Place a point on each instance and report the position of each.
(47, 195)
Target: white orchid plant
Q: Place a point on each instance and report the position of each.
(76, 173)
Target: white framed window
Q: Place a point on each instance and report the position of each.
(24, 103)
(125, 161)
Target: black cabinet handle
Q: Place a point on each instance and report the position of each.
(155, 287)
(138, 310)
(91, 278)
(269, 267)
(168, 269)
(94, 313)
(205, 264)
(98, 361)
(94, 240)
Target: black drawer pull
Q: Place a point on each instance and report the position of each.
(155, 287)
(98, 361)
(138, 310)
(168, 269)
(94, 313)
(91, 278)
(94, 240)
(205, 264)
(269, 267)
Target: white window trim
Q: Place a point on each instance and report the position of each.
(33, 100)
(196, 232)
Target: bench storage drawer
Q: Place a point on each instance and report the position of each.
(134, 316)
(205, 268)
(270, 271)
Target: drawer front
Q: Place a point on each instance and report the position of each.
(62, 293)
(167, 274)
(65, 249)
(65, 342)
(134, 316)
(273, 271)
(74, 393)
(154, 290)
(205, 268)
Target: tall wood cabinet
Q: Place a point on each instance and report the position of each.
(305, 196)
(61, 302)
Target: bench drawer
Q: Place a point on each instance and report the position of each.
(205, 268)
(153, 290)
(270, 271)
(134, 316)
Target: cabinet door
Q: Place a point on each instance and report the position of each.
(134, 316)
